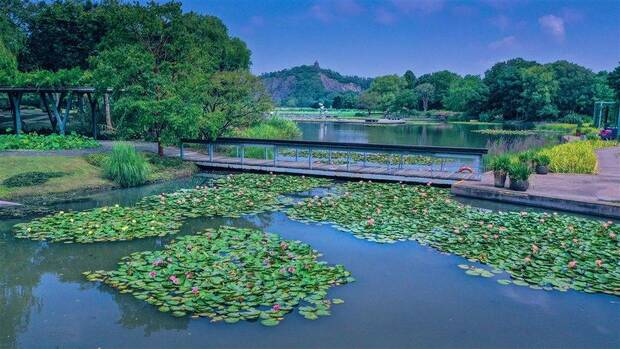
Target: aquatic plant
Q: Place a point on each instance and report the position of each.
(340, 157)
(501, 132)
(126, 166)
(159, 215)
(100, 224)
(35, 141)
(230, 274)
(532, 247)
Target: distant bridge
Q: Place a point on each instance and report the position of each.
(401, 163)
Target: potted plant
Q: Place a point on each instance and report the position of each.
(500, 165)
(542, 163)
(519, 174)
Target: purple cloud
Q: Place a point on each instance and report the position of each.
(553, 25)
(384, 16)
(504, 43)
(418, 6)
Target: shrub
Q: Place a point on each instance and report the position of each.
(574, 118)
(35, 141)
(500, 163)
(519, 171)
(96, 159)
(575, 157)
(28, 179)
(125, 166)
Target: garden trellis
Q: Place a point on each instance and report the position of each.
(607, 116)
(57, 102)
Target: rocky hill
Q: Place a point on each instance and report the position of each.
(306, 85)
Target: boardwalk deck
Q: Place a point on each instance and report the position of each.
(439, 164)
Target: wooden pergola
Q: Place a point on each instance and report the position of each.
(53, 101)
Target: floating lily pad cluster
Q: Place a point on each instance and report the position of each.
(339, 157)
(547, 250)
(160, 215)
(100, 224)
(230, 274)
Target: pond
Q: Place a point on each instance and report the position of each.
(437, 134)
(405, 295)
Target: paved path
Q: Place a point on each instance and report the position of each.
(591, 194)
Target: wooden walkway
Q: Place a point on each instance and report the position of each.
(444, 167)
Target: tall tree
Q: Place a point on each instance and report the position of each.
(505, 86)
(575, 90)
(62, 35)
(410, 79)
(614, 81)
(467, 95)
(441, 82)
(426, 93)
(539, 88)
(386, 89)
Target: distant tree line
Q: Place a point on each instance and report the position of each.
(174, 74)
(513, 90)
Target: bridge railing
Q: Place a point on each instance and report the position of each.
(404, 160)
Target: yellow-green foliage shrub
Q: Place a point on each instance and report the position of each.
(575, 157)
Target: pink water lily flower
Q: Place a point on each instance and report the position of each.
(572, 264)
(174, 280)
(195, 290)
(276, 307)
(371, 221)
(283, 245)
(599, 263)
(291, 269)
(189, 274)
(158, 262)
(153, 274)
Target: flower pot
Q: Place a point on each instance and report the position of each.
(500, 178)
(519, 185)
(542, 169)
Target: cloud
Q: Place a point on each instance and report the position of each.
(327, 11)
(504, 43)
(502, 22)
(384, 16)
(553, 25)
(418, 6)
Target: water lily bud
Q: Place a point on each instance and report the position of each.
(572, 264)
(599, 263)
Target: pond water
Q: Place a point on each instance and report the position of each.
(437, 134)
(406, 295)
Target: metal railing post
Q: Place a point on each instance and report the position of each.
(181, 150)
(400, 161)
(330, 156)
(348, 160)
(211, 147)
(275, 155)
(389, 162)
(242, 154)
(310, 158)
(296, 154)
(364, 161)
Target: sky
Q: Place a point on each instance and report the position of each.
(372, 38)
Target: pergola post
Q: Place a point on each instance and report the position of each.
(15, 101)
(93, 115)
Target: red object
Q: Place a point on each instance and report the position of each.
(465, 169)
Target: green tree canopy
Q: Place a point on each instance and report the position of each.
(614, 81)
(426, 93)
(386, 89)
(468, 95)
(441, 82)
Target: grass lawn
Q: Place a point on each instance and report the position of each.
(82, 173)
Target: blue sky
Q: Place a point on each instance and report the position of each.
(370, 38)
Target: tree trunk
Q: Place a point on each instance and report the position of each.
(425, 104)
(160, 148)
(108, 118)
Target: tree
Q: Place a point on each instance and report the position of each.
(337, 102)
(613, 80)
(410, 79)
(386, 89)
(62, 35)
(467, 95)
(505, 86)
(230, 100)
(369, 100)
(8, 66)
(426, 93)
(441, 81)
(406, 101)
(539, 87)
(575, 91)
(601, 89)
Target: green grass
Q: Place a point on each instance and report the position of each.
(79, 175)
(126, 166)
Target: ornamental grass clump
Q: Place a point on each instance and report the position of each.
(230, 274)
(126, 166)
(548, 251)
(575, 157)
